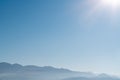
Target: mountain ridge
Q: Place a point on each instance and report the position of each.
(5, 65)
(31, 72)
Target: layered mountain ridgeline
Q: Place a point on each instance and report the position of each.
(8, 68)
(30, 72)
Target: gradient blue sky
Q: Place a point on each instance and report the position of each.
(73, 34)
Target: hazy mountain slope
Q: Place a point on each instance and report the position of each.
(30, 72)
(16, 72)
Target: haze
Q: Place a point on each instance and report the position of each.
(80, 35)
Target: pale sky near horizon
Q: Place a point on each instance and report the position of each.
(81, 35)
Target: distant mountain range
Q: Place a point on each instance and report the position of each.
(7, 68)
(30, 72)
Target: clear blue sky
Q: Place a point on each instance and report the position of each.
(73, 34)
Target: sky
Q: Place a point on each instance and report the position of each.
(80, 35)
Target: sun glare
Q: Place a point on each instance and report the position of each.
(114, 3)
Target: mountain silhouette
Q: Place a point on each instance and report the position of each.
(31, 72)
(7, 67)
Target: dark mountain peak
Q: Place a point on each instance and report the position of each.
(31, 66)
(5, 63)
(16, 65)
(49, 67)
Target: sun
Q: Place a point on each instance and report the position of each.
(113, 3)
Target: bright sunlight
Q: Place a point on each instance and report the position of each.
(112, 3)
